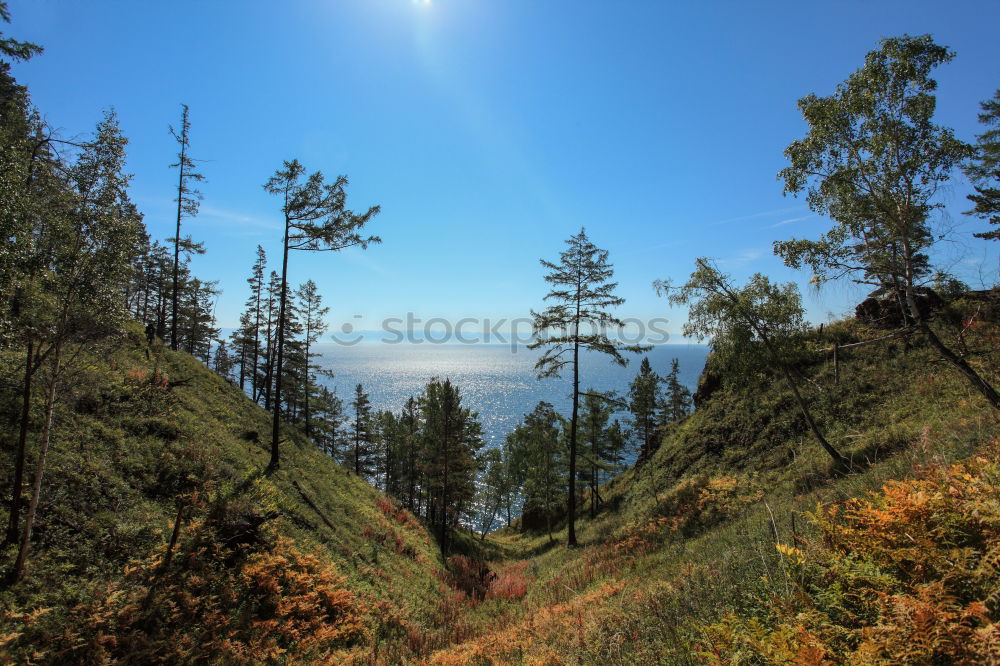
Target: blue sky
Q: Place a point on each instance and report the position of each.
(489, 132)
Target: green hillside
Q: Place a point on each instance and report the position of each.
(722, 548)
(143, 431)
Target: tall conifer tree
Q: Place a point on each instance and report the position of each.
(316, 220)
(582, 295)
(188, 201)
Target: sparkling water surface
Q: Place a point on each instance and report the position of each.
(499, 384)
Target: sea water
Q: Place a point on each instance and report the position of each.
(497, 381)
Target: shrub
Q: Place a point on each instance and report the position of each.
(908, 575)
(278, 604)
(510, 584)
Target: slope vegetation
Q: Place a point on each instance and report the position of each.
(160, 539)
(740, 543)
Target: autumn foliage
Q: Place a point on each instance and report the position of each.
(910, 575)
(277, 604)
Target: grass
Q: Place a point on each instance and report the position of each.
(682, 544)
(690, 537)
(126, 450)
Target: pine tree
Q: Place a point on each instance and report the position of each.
(495, 481)
(583, 293)
(676, 402)
(328, 422)
(254, 307)
(266, 381)
(408, 452)
(294, 366)
(315, 221)
(362, 452)
(594, 439)
(387, 449)
(616, 449)
(452, 436)
(241, 340)
(188, 201)
(984, 169)
(540, 438)
(313, 312)
(222, 361)
(196, 329)
(644, 394)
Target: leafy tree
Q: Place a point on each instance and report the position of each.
(873, 161)
(33, 199)
(984, 170)
(188, 201)
(676, 401)
(762, 322)
(316, 220)
(644, 395)
(85, 276)
(582, 293)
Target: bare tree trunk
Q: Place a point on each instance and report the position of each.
(834, 453)
(13, 526)
(977, 381)
(275, 461)
(43, 448)
(947, 354)
(305, 391)
(571, 509)
(593, 491)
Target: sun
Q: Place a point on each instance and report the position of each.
(421, 3)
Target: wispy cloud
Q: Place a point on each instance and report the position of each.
(790, 220)
(766, 213)
(742, 257)
(224, 216)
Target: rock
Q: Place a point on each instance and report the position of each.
(882, 312)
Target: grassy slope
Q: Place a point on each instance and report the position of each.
(691, 536)
(123, 451)
(680, 542)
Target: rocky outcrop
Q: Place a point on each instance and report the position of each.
(883, 312)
